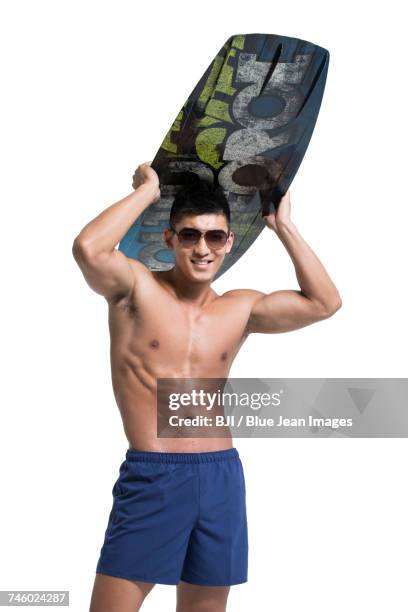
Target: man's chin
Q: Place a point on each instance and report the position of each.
(202, 273)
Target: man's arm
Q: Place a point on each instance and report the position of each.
(107, 270)
(287, 310)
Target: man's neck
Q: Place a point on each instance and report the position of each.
(197, 294)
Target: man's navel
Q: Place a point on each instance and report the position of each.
(154, 344)
(224, 356)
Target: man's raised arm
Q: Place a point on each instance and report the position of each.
(287, 310)
(107, 270)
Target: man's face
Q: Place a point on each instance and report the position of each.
(199, 262)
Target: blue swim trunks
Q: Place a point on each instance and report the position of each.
(178, 516)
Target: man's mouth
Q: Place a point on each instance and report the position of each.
(201, 263)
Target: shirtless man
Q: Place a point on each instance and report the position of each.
(179, 503)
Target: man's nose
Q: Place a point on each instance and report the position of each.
(201, 247)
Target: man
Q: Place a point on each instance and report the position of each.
(179, 504)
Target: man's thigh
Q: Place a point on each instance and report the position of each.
(195, 598)
(112, 594)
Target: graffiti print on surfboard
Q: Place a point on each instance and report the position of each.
(245, 126)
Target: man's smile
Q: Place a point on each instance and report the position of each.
(202, 263)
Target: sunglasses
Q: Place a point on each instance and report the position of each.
(189, 236)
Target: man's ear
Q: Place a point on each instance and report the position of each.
(167, 237)
(230, 242)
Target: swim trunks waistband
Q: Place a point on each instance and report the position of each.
(158, 457)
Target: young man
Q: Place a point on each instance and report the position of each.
(179, 504)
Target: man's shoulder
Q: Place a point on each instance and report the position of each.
(138, 266)
(142, 277)
(248, 295)
(143, 272)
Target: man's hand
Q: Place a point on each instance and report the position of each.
(280, 218)
(144, 174)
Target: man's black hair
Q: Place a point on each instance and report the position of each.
(197, 198)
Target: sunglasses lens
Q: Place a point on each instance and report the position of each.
(216, 238)
(188, 237)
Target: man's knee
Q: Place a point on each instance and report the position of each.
(208, 606)
(194, 598)
(112, 594)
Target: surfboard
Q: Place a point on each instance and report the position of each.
(246, 127)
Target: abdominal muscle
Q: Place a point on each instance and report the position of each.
(145, 347)
(137, 402)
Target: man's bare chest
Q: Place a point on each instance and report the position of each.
(168, 331)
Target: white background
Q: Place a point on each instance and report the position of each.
(89, 90)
